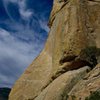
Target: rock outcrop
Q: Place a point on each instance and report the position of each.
(66, 68)
(88, 85)
(65, 82)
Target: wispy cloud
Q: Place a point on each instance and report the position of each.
(24, 11)
(15, 56)
(21, 39)
(13, 1)
(43, 25)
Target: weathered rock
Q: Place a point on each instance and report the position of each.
(56, 7)
(75, 25)
(70, 66)
(72, 33)
(37, 76)
(65, 82)
(84, 88)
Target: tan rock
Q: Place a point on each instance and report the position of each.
(35, 77)
(56, 7)
(72, 33)
(84, 88)
(75, 24)
(65, 82)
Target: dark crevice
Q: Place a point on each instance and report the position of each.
(94, 1)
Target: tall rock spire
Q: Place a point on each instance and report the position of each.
(73, 27)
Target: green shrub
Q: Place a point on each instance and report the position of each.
(94, 96)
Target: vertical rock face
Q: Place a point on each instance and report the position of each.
(72, 31)
(75, 26)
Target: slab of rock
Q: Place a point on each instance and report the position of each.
(55, 90)
(87, 87)
(36, 76)
(74, 29)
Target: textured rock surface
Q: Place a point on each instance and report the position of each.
(65, 82)
(88, 85)
(35, 77)
(72, 26)
(75, 26)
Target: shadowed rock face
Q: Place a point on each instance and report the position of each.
(75, 26)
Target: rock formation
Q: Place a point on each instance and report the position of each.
(66, 68)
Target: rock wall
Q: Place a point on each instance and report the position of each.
(58, 71)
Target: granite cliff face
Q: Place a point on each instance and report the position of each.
(68, 67)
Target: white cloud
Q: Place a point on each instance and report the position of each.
(24, 11)
(15, 56)
(19, 47)
(11, 42)
(5, 35)
(43, 25)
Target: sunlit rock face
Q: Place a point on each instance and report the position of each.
(74, 27)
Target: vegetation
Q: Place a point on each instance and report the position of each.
(90, 54)
(94, 96)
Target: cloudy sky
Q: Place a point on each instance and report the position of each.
(23, 32)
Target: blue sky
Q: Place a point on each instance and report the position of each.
(23, 32)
